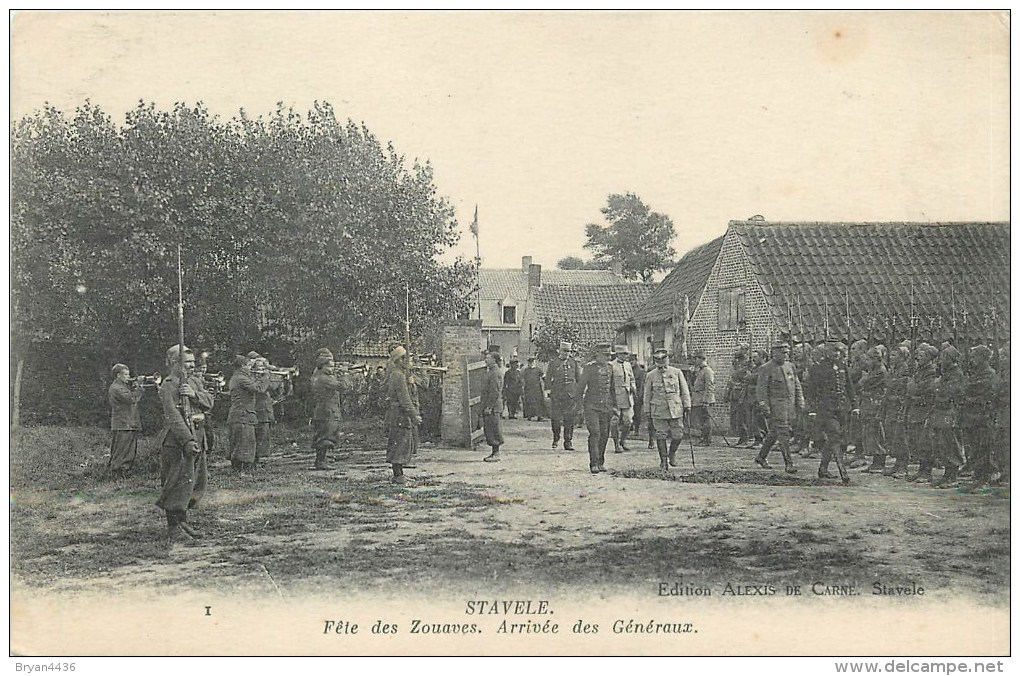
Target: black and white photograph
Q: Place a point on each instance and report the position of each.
(511, 333)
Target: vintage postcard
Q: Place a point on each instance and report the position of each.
(511, 333)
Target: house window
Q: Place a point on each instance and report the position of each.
(731, 308)
(509, 314)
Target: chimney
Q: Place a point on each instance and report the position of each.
(617, 267)
(526, 264)
(534, 274)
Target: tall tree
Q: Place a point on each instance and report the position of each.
(578, 263)
(634, 235)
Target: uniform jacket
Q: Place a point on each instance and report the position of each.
(921, 393)
(513, 383)
(666, 394)
(264, 402)
(492, 390)
(624, 384)
(735, 388)
(534, 381)
(243, 389)
(977, 407)
(751, 384)
(779, 389)
(326, 389)
(403, 406)
(829, 391)
(896, 394)
(596, 387)
(949, 389)
(703, 390)
(871, 389)
(124, 406)
(561, 378)
(639, 381)
(175, 429)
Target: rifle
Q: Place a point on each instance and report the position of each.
(183, 402)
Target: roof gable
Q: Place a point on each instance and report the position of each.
(687, 278)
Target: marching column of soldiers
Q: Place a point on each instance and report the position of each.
(931, 405)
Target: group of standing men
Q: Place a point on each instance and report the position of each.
(913, 405)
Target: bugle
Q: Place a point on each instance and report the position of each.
(153, 380)
(216, 383)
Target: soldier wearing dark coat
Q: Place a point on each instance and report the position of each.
(639, 392)
(327, 387)
(854, 433)
(513, 388)
(242, 419)
(945, 434)
(920, 399)
(828, 395)
(183, 469)
(125, 425)
(561, 378)
(736, 388)
(492, 403)
(264, 404)
(977, 414)
(402, 415)
(871, 390)
(596, 390)
(895, 407)
(702, 397)
(534, 391)
(757, 425)
(779, 396)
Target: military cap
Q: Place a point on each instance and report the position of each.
(927, 350)
(877, 352)
(397, 352)
(781, 346)
(117, 368)
(173, 354)
(740, 356)
(950, 352)
(621, 349)
(324, 352)
(660, 352)
(979, 352)
(698, 353)
(565, 345)
(240, 360)
(253, 355)
(858, 345)
(604, 348)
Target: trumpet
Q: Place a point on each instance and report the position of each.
(278, 372)
(351, 367)
(148, 381)
(215, 383)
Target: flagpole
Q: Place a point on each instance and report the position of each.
(478, 264)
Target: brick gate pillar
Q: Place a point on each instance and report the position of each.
(460, 338)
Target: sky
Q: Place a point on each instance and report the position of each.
(536, 117)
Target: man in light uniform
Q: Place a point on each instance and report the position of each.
(667, 402)
(624, 387)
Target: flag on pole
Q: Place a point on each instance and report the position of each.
(474, 223)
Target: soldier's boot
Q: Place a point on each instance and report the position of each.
(398, 477)
(877, 465)
(187, 527)
(663, 455)
(174, 533)
(616, 443)
(320, 458)
(923, 472)
(673, 446)
(951, 478)
(568, 438)
(788, 461)
(492, 457)
(623, 440)
(823, 466)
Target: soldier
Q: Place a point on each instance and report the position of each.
(734, 396)
(757, 425)
(264, 403)
(125, 425)
(667, 403)
(1001, 454)
(639, 393)
(702, 397)
(779, 396)
(534, 391)
(829, 395)
(596, 390)
(183, 470)
(977, 414)
(945, 437)
(402, 415)
(855, 427)
(871, 390)
(801, 441)
(623, 398)
(895, 407)
(920, 398)
(377, 386)
(327, 387)
(242, 419)
(513, 388)
(561, 378)
(492, 403)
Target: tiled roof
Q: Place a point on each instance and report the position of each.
(688, 278)
(596, 310)
(499, 284)
(803, 267)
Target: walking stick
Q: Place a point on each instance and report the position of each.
(690, 440)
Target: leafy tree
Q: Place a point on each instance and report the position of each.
(298, 232)
(636, 236)
(549, 334)
(578, 263)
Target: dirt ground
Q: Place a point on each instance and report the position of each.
(537, 520)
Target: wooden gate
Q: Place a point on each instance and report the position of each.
(474, 376)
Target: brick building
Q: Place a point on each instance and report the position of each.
(769, 279)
